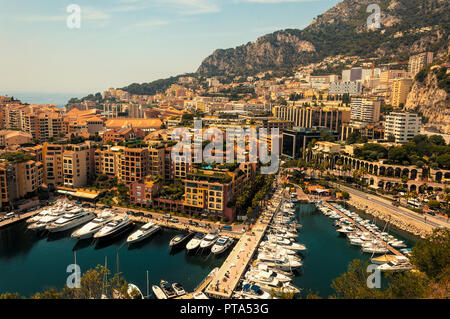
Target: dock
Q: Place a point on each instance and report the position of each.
(225, 282)
(18, 219)
(362, 228)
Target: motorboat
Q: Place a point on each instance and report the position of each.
(208, 241)
(179, 290)
(397, 243)
(180, 239)
(134, 292)
(159, 293)
(70, 221)
(195, 242)
(88, 230)
(400, 263)
(258, 275)
(221, 245)
(380, 260)
(345, 230)
(279, 261)
(142, 233)
(113, 228)
(167, 289)
(46, 220)
(277, 287)
(199, 295)
(250, 291)
(38, 216)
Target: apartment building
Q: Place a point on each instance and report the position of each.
(8, 138)
(346, 87)
(208, 191)
(17, 179)
(400, 91)
(143, 193)
(308, 117)
(365, 110)
(134, 164)
(107, 161)
(403, 126)
(69, 165)
(418, 62)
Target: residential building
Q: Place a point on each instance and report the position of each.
(418, 62)
(400, 91)
(403, 126)
(347, 87)
(365, 110)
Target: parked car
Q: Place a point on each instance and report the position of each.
(202, 225)
(167, 216)
(228, 228)
(86, 205)
(10, 215)
(107, 206)
(174, 220)
(78, 202)
(191, 222)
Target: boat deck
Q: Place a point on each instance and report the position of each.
(362, 228)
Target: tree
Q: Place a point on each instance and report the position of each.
(431, 255)
(434, 204)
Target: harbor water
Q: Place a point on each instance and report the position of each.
(30, 263)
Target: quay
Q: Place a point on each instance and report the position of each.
(18, 218)
(362, 228)
(225, 282)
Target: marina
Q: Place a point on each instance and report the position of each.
(273, 255)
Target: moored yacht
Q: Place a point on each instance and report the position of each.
(113, 228)
(168, 290)
(88, 230)
(180, 239)
(208, 241)
(221, 245)
(142, 233)
(195, 242)
(70, 221)
(159, 293)
(44, 221)
(134, 292)
(179, 290)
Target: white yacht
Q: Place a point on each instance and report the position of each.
(221, 245)
(208, 241)
(282, 262)
(195, 242)
(159, 293)
(179, 290)
(142, 233)
(46, 220)
(401, 263)
(134, 291)
(38, 216)
(250, 291)
(88, 230)
(259, 275)
(113, 228)
(70, 221)
(199, 295)
(277, 287)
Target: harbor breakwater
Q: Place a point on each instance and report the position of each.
(402, 223)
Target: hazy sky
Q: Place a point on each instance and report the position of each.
(126, 41)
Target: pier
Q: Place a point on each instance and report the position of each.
(224, 283)
(362, 228)
(18, 218)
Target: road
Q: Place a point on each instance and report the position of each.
(430, 220)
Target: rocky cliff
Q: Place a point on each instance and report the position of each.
(431, 100)
(407, 26)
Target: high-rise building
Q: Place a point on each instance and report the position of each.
(403, 126)
(365, 110)
(348, 87)
(400, 91)
(331, 118)
(418, 62)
